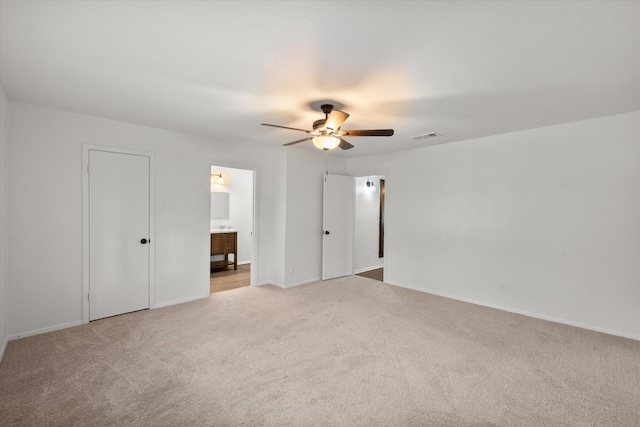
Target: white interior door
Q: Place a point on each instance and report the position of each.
(119, 206)
(337, 223)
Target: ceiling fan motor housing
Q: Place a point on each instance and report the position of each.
(326, 108)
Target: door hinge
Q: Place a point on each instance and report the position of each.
(88, 298)
(89, 168)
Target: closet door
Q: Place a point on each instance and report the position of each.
(119, 242)
(337, 220)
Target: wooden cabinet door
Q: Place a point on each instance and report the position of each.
(216, 244)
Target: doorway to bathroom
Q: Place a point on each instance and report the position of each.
(231, 228)
(368, 241)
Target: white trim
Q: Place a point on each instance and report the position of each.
(362, 270)
(523, 312)
(45, 330)
(302, 282)
(253, 274)
(267, 282)
(180, 301)
(86, 148)
(4, 348)
(244, 262)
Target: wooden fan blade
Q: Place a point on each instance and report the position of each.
(345, 145)
(298, 141)
(285, 127)
(335, 120)
(370, 132)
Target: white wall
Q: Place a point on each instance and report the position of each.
(4, 209)
(279, 216)
(303, 213)
(367, 224)
(553, 213)
(46, 210)
(305, 170)
(239, 184)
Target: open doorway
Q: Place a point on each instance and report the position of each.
(368, 242)
(231, 228)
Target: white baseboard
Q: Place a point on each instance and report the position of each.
(303, 282)
(79, 322)
(180, 301)
(44, 330)
(291, 285)
(522, 312)
(362, 270)
(4, 347)
(244, 262)
(268, 282)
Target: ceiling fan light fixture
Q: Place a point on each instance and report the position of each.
(326, 133)
(326, 142)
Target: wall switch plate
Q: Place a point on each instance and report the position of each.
(292, 270)
(503, 287)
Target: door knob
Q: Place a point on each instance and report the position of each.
(326, 232)
(144, 241)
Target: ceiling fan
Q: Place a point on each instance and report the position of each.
(326, 133)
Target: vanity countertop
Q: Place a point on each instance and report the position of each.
(226, 230)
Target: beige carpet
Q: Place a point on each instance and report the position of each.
(347, 352)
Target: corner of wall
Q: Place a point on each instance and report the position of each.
(4, 241)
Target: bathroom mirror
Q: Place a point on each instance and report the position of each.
(219, 205)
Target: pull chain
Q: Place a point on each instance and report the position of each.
(326, 163)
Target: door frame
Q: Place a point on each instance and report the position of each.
(86, 148)
(253, 275)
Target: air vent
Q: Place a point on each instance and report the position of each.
(426, 135)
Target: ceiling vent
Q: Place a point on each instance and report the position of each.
(426, 135)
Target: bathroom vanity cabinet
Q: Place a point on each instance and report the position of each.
(223, 243)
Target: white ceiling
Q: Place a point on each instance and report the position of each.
(219, 69)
